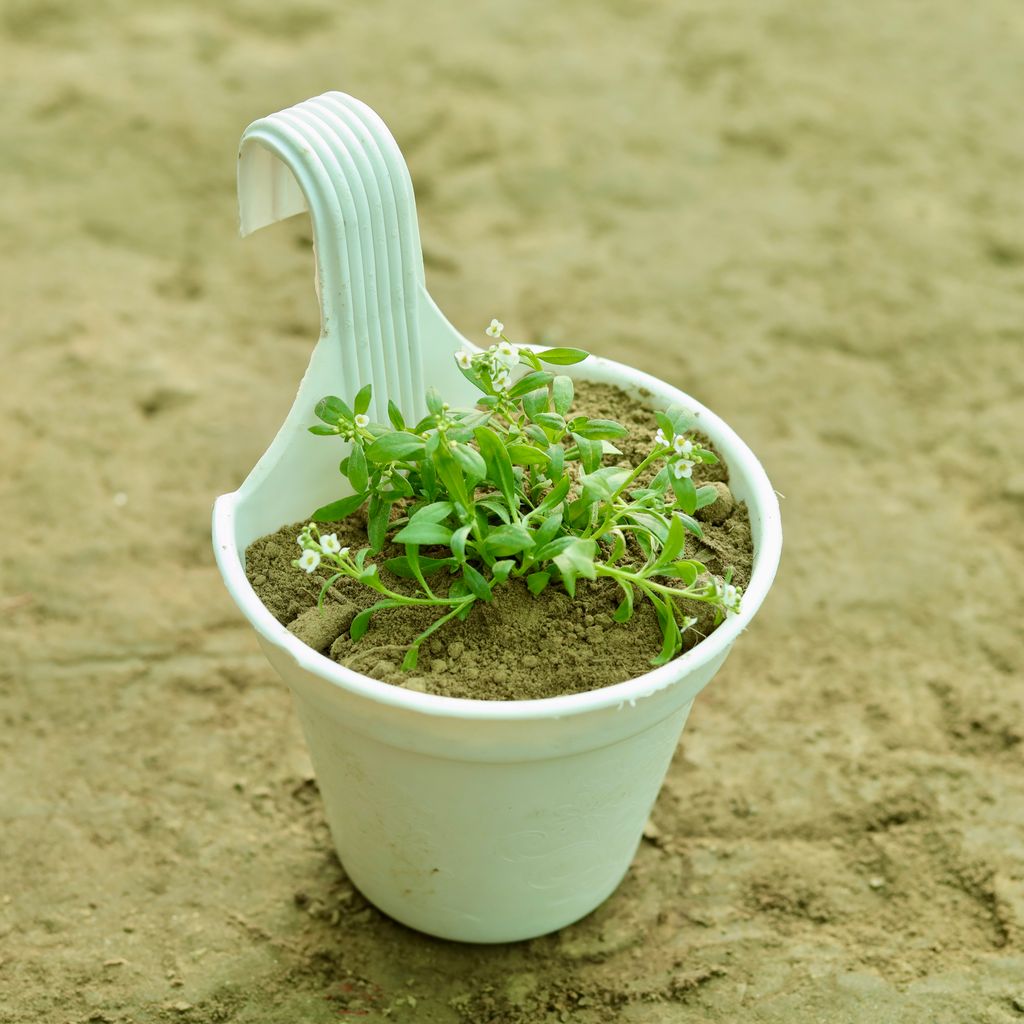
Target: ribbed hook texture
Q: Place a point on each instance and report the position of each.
(335, 157)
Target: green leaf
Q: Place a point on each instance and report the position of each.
(472, 417)
(434, 401)
(618, 547)
(508, 540)
(603, 483)
(471, 461)
(685, 571)
(537, 581)
(428, 480)
(555, 496)
(660, 481)
(590, 452)
(473, 377)
(578, 512)
(476, 583)
(322, 431)
(411, 657)
(328, 583)
(643, 539)
(532, 381)
(553, 548)
(377, 522)
(556, 453)
(691, 524)
(435, 512)
(548, 530)
(400, 488)
(450, 474)
(536, 402)
(625, 610)
(338, 509)
(401, 566)
(686, 493)
(669, 629)
(395, 447)
(423, 533)
(674, 542)
(500, 571)
(563, 356)
(361, 622)
(652, 524)
(395, 415)
(551, 421)
(458, 541)
(496, 507)
(706, 495)
(601, 430)
(526, 356)
(562, 392)
(668, 427)
(332, 409)
(526, 455)
(499, 465)
(357, 473)
(362, 400)
(577, 559)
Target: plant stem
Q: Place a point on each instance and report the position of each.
(596, 531)
(645, 583)
(464, 602)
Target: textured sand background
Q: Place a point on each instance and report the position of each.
(809, 215)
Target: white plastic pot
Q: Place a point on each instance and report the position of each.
(482, 821)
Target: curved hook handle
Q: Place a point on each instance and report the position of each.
(332, 155)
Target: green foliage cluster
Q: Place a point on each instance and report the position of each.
(516, 487)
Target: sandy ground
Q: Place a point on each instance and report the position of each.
(809, 215)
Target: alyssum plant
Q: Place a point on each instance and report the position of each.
(515, 488)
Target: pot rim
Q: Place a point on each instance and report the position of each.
(737, 454)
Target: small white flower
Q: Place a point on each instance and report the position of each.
(301, 540)
(495, 328)
(729, 596)
(465, 360)
(683, 468)
(501, 380)
(342, 552)
(362, 420)
(506, 354)
(682, 444)
(309, 560)
(329, 543)
(660, 439)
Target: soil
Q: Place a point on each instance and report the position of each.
(808, 216)
(518, 646)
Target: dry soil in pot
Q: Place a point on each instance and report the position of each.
(518, 646)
